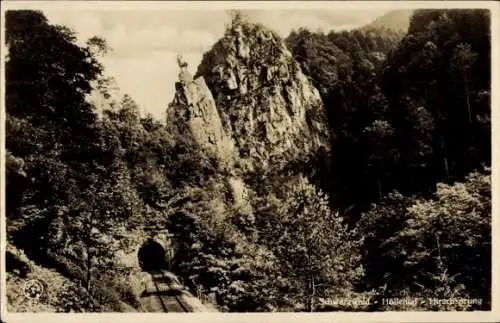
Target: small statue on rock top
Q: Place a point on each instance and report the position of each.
(184, 76)
(182, 63)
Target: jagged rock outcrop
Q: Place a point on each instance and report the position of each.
(193, 116)
(251, 107)
(268, 106)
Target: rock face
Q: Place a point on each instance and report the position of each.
(265, 103)
(250, 106)
(193, 115)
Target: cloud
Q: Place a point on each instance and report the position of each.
(145, 43)
(131, 32)
(283, 21)
(159, 39)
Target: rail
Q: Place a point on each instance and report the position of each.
(164, 299)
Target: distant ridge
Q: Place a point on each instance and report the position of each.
(396, 20)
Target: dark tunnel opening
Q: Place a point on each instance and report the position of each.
(152, 256)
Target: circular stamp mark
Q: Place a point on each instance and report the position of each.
(33, 289)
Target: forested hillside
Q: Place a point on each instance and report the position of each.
(346, 165)
(395, 20)
(409, 117)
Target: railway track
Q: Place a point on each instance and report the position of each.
(168, 293)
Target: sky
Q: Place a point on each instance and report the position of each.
(145, 43)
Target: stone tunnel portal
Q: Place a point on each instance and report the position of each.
(152, 256)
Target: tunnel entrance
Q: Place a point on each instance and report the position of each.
(152, 256)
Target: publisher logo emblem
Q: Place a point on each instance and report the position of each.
(33, 289)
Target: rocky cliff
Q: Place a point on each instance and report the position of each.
(265, 103)
(192, 115)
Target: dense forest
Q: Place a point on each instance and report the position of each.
(398, 204)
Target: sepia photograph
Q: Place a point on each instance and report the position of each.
(246, 158)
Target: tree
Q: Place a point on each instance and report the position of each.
(454, 231)
(49, 126)
(344, 66)
(317, 251)
(380, 256)
(434, 248)
(437, 66)
(48, 77)
(97, 215)
(380, 133)
(56, 147)
(461, 64)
